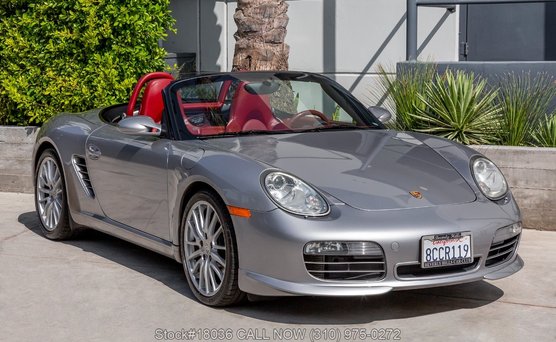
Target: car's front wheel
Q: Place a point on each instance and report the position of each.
(209, 252)
(50, 197)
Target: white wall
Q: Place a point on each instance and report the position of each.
(345, 39)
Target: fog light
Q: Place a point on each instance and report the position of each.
(507, 232)
(342, 248)
(325, 247)
(516, 228)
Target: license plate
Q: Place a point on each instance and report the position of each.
(446, 250)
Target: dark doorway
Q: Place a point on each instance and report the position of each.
(508, 32)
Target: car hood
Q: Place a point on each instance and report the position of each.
(365, 169)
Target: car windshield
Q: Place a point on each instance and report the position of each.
(267, 103)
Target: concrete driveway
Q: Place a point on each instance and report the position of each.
(98, 288)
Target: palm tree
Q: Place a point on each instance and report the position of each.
(261, 31)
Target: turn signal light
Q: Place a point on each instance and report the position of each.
(241, 212)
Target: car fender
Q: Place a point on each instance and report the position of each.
(67, 134)
(234, 177)
(460, 156)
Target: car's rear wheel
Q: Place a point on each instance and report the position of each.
(209, 251)
(50, 197)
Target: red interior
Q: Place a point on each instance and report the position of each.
(251, 112)
(247, 112)
(152, 103)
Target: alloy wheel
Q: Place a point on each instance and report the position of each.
(49, 193)
(205, 248)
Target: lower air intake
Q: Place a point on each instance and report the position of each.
(333, 260)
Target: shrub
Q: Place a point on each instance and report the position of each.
(72, 55)
(523, 101)
(458, 107)
(7, 111)
(545, 133)
(400, 93)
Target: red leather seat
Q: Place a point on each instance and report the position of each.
(251, 112)
(153, 102)
(198, 130)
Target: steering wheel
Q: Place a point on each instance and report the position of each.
(309, 112)
(137, 90)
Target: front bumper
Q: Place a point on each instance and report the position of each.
(270, 246)
(265, 285)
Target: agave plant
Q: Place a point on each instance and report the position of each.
(523, 101)
(545, 133)
(459, 107)
(400, 93)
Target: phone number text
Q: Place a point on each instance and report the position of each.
(279, 334)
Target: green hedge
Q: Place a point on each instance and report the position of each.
(73, 55)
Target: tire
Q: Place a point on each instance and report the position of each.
(51, 201)
(210, 250)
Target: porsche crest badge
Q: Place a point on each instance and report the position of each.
(416, 194)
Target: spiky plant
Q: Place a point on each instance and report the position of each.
(545, 133)
(459, 107)
(523, 100)
(399, 93)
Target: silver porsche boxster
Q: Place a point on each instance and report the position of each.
(273, 184)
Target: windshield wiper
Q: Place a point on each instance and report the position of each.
(289, 131)
(336, 127)
(244, 133)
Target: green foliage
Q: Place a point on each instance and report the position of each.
(73, 55)
(523, 101)
(7, 111)
(545, 133)
(458, 107)
(336, 113)
(402, 92)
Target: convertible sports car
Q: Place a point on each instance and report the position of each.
(276, 183)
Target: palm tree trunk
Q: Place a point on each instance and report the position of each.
(261, 31)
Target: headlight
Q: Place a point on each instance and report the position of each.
(294, 195)
(489, 178)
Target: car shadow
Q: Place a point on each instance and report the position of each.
(290, 310)
(362, 310)
(142, 260)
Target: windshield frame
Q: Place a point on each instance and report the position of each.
(331, 87)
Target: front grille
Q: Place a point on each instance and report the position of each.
(501, 251)
(346, 267)
(80, 167)
(415, 271)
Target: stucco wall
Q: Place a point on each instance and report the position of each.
(531, 174)
(345, 39)
(16, 149)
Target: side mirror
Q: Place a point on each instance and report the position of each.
(382, 114)
(139, 125)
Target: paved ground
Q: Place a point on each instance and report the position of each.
(99, 288)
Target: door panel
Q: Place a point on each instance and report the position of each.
(507, 32)
(130, 179)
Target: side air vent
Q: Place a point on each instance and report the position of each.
(80, 167)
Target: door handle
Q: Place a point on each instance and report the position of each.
(93, 152)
